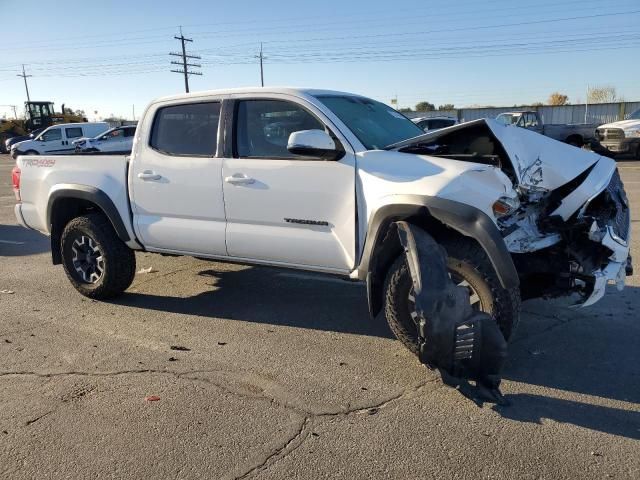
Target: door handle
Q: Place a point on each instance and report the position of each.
(149, 175)
(239, 179)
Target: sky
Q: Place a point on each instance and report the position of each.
(112, 57)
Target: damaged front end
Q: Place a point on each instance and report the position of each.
(567, 223)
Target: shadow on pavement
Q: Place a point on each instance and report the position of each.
(276, 297)
(16, 241)
(533, 408)
(595, 356)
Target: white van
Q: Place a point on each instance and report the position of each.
(58, 139)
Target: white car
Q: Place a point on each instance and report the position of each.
(434, 123)
(58, 139)
(317, 180)
(116, 140)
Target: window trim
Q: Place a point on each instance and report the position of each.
(234, 131)
(169, 154)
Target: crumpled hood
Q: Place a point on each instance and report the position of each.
(623, 124)
(538, 161)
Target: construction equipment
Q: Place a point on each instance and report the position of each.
(37, 115)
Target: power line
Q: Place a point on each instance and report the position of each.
(185, 66)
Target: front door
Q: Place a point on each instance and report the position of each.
(176, 183)
(282, 208)
(51, 141)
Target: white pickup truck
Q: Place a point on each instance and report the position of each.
(315, 180)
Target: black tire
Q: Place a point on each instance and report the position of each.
(575, 141)
(117, 264)
(467, 261)
(638, 152)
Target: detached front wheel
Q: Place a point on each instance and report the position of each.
(98, 264)
(469, 267)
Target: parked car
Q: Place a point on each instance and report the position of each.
(576, 134)
(621, 137)
(434, 123)
(9, 142)
(58, 139)
(316, 180)
(116, 140)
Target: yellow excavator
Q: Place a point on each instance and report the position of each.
(38, 115)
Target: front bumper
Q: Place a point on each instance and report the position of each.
(15, 153)
(17, 210)
(620, 145)
(615, 271)
(612, 231)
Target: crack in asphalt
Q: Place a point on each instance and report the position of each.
(294, 442)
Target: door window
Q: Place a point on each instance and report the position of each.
(52, 135)
(73, 132)
(263, 127)
(130, 132)
(531, 120)
(189, 129)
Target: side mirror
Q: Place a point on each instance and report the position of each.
(314, 143)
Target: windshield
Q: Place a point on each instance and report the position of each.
(635, 115)
(375, 124)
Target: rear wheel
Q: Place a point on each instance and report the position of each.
(469, 267)
(98, 264)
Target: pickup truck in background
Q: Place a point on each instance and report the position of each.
(620, 137)
(316, 180)
(576, 134)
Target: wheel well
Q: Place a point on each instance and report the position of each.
(574, 138)
(388, 248)
(62, 212)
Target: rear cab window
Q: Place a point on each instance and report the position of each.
(189, 129)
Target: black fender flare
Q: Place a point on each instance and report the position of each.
(90, 194)
(463, 218)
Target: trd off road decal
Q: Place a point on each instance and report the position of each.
(38, 162)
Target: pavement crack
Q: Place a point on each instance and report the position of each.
(32, 421)
(290, 446)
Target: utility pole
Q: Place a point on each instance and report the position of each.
(25, 76)
(184, 63)
(262, 58)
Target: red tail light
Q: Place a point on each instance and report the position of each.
(15, 179)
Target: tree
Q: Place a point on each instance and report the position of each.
(557, 98)
(404, 109)
(603, 94)
(536, 104)
(447, 106)
(425, 107)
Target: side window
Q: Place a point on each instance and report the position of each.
(532, 120)
(73, 132)
(263, 127)
(116, 134)
(51, 135)
(190, 129)
(424, 124)
(130, 132)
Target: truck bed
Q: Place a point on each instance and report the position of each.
(43, 175)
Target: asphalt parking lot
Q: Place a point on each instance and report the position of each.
(283, 375)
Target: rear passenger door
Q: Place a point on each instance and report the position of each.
(175, 180)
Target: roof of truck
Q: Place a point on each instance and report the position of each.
(227, 91)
